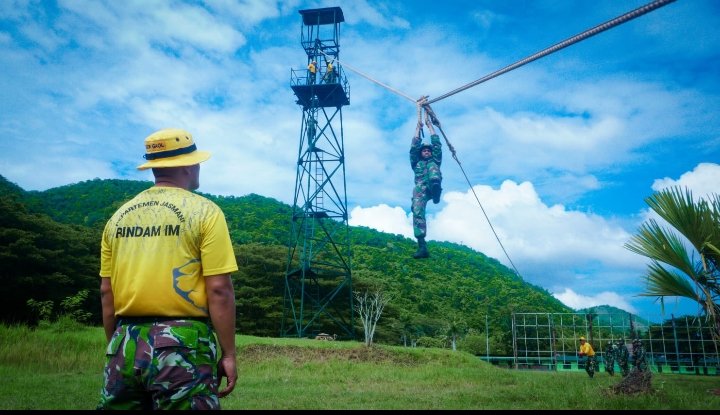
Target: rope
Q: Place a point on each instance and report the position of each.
(565, 43)
(371, 79)
(436, 122)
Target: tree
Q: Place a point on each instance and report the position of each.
(454, 328)
(370, 307)
(693, 271)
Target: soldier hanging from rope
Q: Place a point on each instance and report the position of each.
(425, 160)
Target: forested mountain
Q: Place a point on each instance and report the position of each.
(609, 315)
(41, 258)
(49, 246)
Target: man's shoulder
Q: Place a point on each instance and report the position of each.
(131, 202)
(207, 204)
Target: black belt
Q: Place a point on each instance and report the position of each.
(157, 319)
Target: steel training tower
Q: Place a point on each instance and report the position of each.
(318, 283)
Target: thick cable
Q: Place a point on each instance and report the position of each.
(565, 43)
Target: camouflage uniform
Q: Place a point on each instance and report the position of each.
(590, 364)
(156, 363)
(610, 352)
(639, 362)
(426, 172)
(623, 357)
(586, 351)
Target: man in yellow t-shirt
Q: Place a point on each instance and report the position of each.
(312, 72)
(166, 292)
(586, 351)
(329, 76)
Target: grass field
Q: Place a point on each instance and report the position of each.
(60, 367)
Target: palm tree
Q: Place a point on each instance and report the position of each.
(693, 271)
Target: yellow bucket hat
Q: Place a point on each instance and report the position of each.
(171, 147)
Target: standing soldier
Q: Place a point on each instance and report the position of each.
(587, 351)
(610, 351)
(639, 362)
(168, 302)
(622, 357)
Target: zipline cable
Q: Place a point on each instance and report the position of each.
(558, 46)
(565, 43)
(436, 122)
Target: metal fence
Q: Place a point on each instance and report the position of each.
(550, 341)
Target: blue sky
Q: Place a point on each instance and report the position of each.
(561, 152)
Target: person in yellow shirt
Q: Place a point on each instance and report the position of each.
(168, 302)
(586, 351)
(329, 76)
(312, 72)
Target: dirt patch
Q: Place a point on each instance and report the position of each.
(300, 355)
(635, 382)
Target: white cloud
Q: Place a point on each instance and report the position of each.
(703, 180)
(376, 15)
(576, 301)
(551, 246)
(384, 218)
(529, 229)
(167, 24)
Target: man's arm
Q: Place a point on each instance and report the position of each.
(430, 126)
(415, 145)
(221, 303)
(434, 140)
(108, 307)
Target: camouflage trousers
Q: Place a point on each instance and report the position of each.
(161, 364)
(610, 364)
(421, 196)
(639, 363)
(623, 364)
(590, 364)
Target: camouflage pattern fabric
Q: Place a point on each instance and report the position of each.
(169, 364)
(421, 195)
(639, 362)
(610, 351)
(426, 171)
(622, 358)
(590, 364)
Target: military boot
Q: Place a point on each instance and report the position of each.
(422, 251)
(435, 191)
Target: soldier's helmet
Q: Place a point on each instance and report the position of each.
(621, 341)
(636, 341)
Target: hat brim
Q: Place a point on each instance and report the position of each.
(177, 161)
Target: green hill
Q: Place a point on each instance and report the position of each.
(459, 287)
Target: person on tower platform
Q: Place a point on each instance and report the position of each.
(329, 76)
(312, 72)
